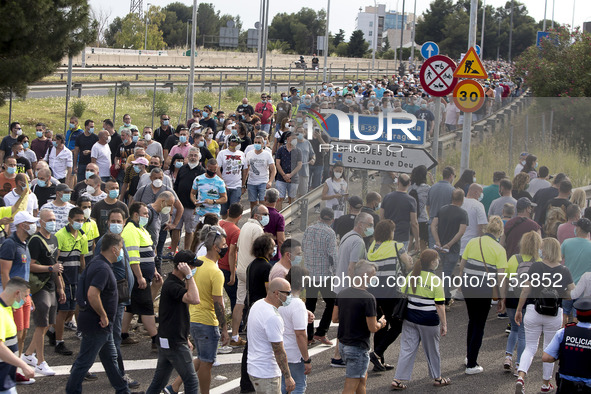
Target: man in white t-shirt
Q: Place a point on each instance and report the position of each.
(477, 219)
(232, 169)
(267, 359)
(541, 182)
(30, 202)
(265, 143)
(452, 115)
(100, 154)
(261, 171)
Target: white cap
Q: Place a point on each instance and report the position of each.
(24, 217)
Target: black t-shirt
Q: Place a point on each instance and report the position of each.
(174, 313)
(44, 194)
(98, 274)
(317, 152)
(84, 142)
(100, 213)
(450, 217)
(44, 256)
(257, 274)
(541, 198)
(124, 151)
(209, 123)
(184, 183)
(160, 135)
(541, 276)
(114, 145)
(245, 142)
(6, 145)
(355, 306)
(171, 141)
(22, 165)
(80, 189)
(398, 207)
(205, 155)
(344, 224)
(427, 115)
(242, 110)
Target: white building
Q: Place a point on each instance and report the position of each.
(386, 20)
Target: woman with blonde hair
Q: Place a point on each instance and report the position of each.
(483, 257)
(520, 185)
(549, 283)
(518, 265)
(579, 198)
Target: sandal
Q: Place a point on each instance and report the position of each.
(398, 385)
(442, 382)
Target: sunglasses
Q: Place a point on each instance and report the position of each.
(285, 292)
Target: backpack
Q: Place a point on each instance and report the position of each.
(555, 216)
(547, 302)
(522, 270)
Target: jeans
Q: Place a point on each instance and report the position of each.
(256, 192)
(81, 173)
(478, 309)
(179, 359)
(384, 338)
(233, 198)
(266, 128)
(311, 300)
(297, 373)
(315, 176)
(517, 336)
(101, 343)
(230, 290)
(448, 262)
(117, 336)
(356, 359)
(159, 249)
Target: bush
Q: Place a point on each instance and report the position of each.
(78, 108)
(161, 106)
(181, 89)
(235, 93)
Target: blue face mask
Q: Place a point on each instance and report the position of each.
(113, 193)
(137, 169)
(296, 260)
(258, 147)
(51, 226)
(183, 139)
(135, 138)
(89, 174)
(39, 134)
(201, 144)
(143, 221)
(234, 132)
(116, 228)
(66, 197)
(91, 130)
(120, 257)
(264, 220)
(11, 170)
(41, 183)
(72, 125)
(18, 304)
(165, 122)
(205, 114)
(77, 225)
(178, 164)
(54, 144)
(26, 145)
(368, 232)
(287, 300)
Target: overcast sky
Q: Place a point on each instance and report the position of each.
(343, 12)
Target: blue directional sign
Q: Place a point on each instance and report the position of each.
(478, 50)
(429, 49)
(541, 35)
(368, 125)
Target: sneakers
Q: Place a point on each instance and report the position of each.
(337, 363)
(168, 256)
(90, 377)
(79, 335)
(239, 343)
(129, 341)
(508, 329)
(132, 384)
(51, 336)
(30, 360)
(377, 363)
(168, 390)
(323, 340)
(508, 365)
(216, 363)
(520, 386)
(502, 316)
(516, 370)
(547, 388)
(474, 370)
(20, 379)
(61, 348)
(224, 349)
(71, 326)
(44, 369)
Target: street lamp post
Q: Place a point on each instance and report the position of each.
(374, 41)
(499, 39)
(187, 44)
(402, 35)
(545, 8)
(146, 36)
(482, 32)
(326, 42)
(511, 33)
(414, 24)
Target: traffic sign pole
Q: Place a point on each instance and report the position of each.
(435, 143)
(467, 129)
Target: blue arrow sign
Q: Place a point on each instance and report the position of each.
(541, 35)
(368, 125)
(429, 49)
(477, 47)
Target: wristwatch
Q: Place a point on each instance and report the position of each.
(188, 277)
(308, 361)
(50, 268)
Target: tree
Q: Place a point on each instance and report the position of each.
(133, 31)
(299, 30)
(101, 17)
(342, 49)
(112, 30)
(431, 24)
(36, 36)
(174, 26)
(338, 38)
(357, 45)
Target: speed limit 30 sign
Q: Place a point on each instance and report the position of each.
(468, 96)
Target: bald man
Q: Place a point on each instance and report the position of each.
(267, 359)
(80, 188)
(101, 155)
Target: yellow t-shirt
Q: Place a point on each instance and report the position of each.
(5, 212)
(213, 147)
(7, 327)
(210, 282)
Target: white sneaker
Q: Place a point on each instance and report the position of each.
(474, 370)
(44, 369)
(30, 360)
(216, 363)
(225, 349)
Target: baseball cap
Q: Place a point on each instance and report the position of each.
(208, 107)
(327, 214)
(186, 256)
(24, 217)
(62, 187)
(355, 202)
(234, 138)
(141, 160)
(584, 224)
(524, 203)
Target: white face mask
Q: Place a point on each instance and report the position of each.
(90, 190)
(148, 137)
(157, 183)
(86, 213)
(338, 175)
(165, 210)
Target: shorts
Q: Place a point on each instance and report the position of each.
(266, 385)
(286, 189)
(241, 291)
(256, 192)
(357, 360)
(303, 185)
(22, 315)
(188, 219)
(567, 307)
(45, 308)
(206, 341)
(70, 304)
(424, 231)
(141, 301)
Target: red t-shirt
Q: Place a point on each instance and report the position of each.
(267, 110)
(232, 233)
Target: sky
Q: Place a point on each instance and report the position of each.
(344, 12)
